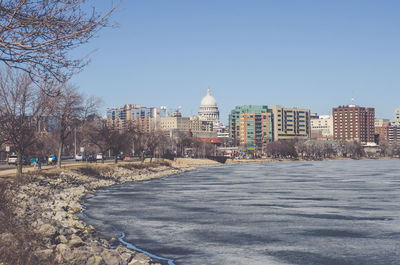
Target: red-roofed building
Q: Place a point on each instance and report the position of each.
(211, 141)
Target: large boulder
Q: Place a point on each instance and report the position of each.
(95, 260)
(110, 257)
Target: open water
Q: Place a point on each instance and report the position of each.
(328, 212)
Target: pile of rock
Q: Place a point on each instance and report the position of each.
(51, 202)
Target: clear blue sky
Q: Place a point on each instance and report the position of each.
(312, 54)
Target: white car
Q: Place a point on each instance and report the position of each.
(12, 160)
(79, 157)
(99, 157)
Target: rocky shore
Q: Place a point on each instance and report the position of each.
(45, 207)
(38, 221)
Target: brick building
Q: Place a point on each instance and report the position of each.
(354, 123)
(382, 130)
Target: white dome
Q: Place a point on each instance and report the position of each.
(208, 108)
(397, 115)
(208, 100)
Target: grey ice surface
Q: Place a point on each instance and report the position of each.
(335, 212)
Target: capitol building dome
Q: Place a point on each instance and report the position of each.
(397, 116)
(208, 108)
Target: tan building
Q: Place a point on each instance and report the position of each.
(291, 123)
(174, 123)
(321, 127)
(193, 126)
(196, 124)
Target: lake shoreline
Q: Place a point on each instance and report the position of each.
(50, 200)
(53, 197)
(171, 213)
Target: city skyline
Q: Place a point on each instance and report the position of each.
(312, 54)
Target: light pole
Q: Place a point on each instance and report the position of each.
(75, 140)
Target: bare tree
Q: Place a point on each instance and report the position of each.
(282, 149)
(38, 35)
(69, 109)
(21, 105)
(107, 138)
(352, 149)
(153, 141)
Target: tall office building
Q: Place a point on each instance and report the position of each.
(354, 123)
(250, 125)
(291, 123)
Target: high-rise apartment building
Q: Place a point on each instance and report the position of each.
(251, 125)
(290, 123)
(394, 133)
(354, 123)
(141, 118)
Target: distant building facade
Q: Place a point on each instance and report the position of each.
(397, 116)
(193, 126)
(382, 130)
(394, 133)
(251, 125)
(290, 123)
(321, 127)
(142, 119)
(354, 123)
(386, 131)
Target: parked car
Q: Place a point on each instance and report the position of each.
(80, 157)
(91, 158)
(13, 160)
(99, 157)
(26, 161)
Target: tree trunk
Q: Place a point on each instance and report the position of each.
(19, 164)
(60, 148)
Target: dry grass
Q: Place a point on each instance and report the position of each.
(139, 165)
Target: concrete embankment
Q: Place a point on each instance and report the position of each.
(49, 201)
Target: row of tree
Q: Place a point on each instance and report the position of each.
(36, 124)
(312, 149)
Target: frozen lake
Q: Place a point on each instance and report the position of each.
(328, 212)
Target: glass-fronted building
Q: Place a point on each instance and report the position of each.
(251, 125)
